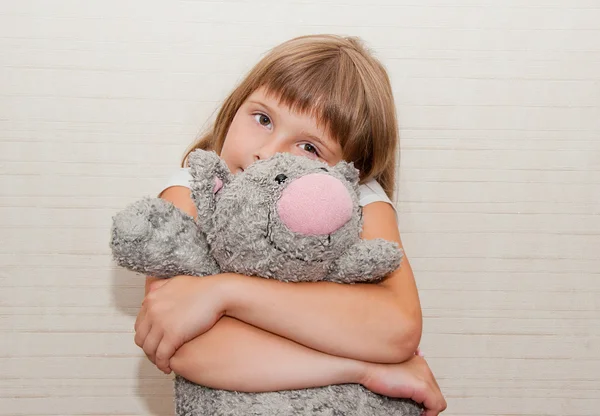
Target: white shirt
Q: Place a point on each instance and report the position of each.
(368, 193)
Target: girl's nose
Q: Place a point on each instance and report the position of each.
(315, 204)
(267, 151)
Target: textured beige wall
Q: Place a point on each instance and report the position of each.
(499, 203)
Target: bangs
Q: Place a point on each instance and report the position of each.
(327, 88)
(334, 80)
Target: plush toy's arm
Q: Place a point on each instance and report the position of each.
(209, 173)
(368, 261)
(153, 237)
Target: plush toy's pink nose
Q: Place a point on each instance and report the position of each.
(315, 204)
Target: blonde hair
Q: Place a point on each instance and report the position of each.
(336, 80)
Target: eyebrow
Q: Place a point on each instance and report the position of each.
(269, 109)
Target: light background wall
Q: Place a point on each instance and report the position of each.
(499, 106)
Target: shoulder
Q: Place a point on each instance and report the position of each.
(379, 213)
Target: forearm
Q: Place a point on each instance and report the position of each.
(364, 321)
(236, 356)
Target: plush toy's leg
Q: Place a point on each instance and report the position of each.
(368, 261)
(154, 237)
(347, 399)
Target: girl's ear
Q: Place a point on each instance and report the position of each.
(209, 174)
(348, 170)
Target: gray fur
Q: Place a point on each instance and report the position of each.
(362, 261)
(153, 237)
(238, 230)
(338, 400)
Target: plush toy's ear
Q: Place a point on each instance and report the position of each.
(209, 174)
(348, 170)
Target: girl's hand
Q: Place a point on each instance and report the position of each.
(175, 311)
(411, 379)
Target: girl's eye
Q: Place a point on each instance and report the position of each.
(262, 119)
(310, 148)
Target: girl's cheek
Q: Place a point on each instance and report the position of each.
(255, 130)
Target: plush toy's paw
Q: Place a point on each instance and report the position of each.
(133, 224)
(368, 261)
(154, 237)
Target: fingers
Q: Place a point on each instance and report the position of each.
(153, 333)
(164, 352)
(146, 337)
(431, 412)
(155, 344)
(140, 318)
(434, 401)
(428, 393)
(421, 391)
(151, 342)
(142, 328)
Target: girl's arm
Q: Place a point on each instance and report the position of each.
(232, 353)
(236, 356)
(368, 322)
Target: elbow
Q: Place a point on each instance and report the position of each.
(405, 337)
(190, 363)
(181, 363)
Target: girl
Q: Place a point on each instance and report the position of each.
(324, 97)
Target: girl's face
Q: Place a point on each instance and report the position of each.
(262, 127)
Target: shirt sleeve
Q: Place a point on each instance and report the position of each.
(181, 177)
(371, 192)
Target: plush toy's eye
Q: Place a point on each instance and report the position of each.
(280, 178)
(325, 169)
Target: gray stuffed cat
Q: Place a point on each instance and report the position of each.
(287, 218)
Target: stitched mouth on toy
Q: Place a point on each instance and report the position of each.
(269, 238)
